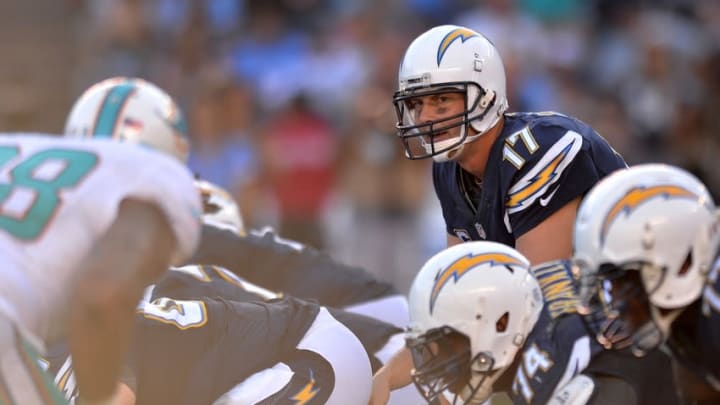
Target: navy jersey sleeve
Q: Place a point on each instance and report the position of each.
(553, 354)
(558, 159)
(289, 267)
(559, 346)
(709, 328)
(650, 376)
(695, 337)
(194, 282)
(173, 337)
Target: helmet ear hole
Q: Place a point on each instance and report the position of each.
(486, 98)
(686, 264)
(502, 323)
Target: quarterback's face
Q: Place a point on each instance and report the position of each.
(436, 107)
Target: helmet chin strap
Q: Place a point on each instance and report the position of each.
(472, 394)
(654, 332)
(454, 152)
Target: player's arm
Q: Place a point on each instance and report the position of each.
(692, 387)
(287, 266)
(135, 250)
(453, 240)
(393, 375)
(123, 395)
(552, 238)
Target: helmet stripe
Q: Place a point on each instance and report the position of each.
(463, 265)
(462, 33)
(637, 196)
(110, 109)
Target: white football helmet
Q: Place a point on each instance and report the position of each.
(133, 110)
(449, 58)
(219, 208)
(471, 308)
(650, 231)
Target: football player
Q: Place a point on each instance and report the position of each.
(246, 336)
(292, 268)
(84, 226)
(134, 110)
(513, 178)
(478, 326)
(500, 330)
(645, 241)
(380, 339)
(198, 350)
(130, 110)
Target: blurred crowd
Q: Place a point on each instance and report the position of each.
(289, 101)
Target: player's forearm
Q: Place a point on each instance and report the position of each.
(397, 370)
(100, 331)
(135, 249)
(248, 257)
(123, 395)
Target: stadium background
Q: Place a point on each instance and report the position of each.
(289, 100)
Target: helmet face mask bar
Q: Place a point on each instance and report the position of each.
(643, 241)
(449, 58)
(419, 138)
(442, 363)
(617, 303)
(472, 306)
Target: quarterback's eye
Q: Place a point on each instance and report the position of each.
(414, 103)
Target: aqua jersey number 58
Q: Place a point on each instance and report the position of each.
(30, 198)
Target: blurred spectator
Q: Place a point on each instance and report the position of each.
(271, 56)
(221, 148)
(645, 74)
(383, 195)
(299, 153)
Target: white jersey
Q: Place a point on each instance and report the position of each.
(58, 196)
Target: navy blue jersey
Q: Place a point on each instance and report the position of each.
(174, 337)
(289, 267)
(555, 351)
(650, 376)
(562, 346)
(217, 329)
(199, 281)
(196, 282)
(695, 337)
(312, 381)
(539, 163)
(559, 347)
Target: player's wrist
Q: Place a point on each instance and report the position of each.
(106, 401)
(111, 399)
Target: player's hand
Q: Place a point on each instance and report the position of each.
(614, 334)
(380, 389)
